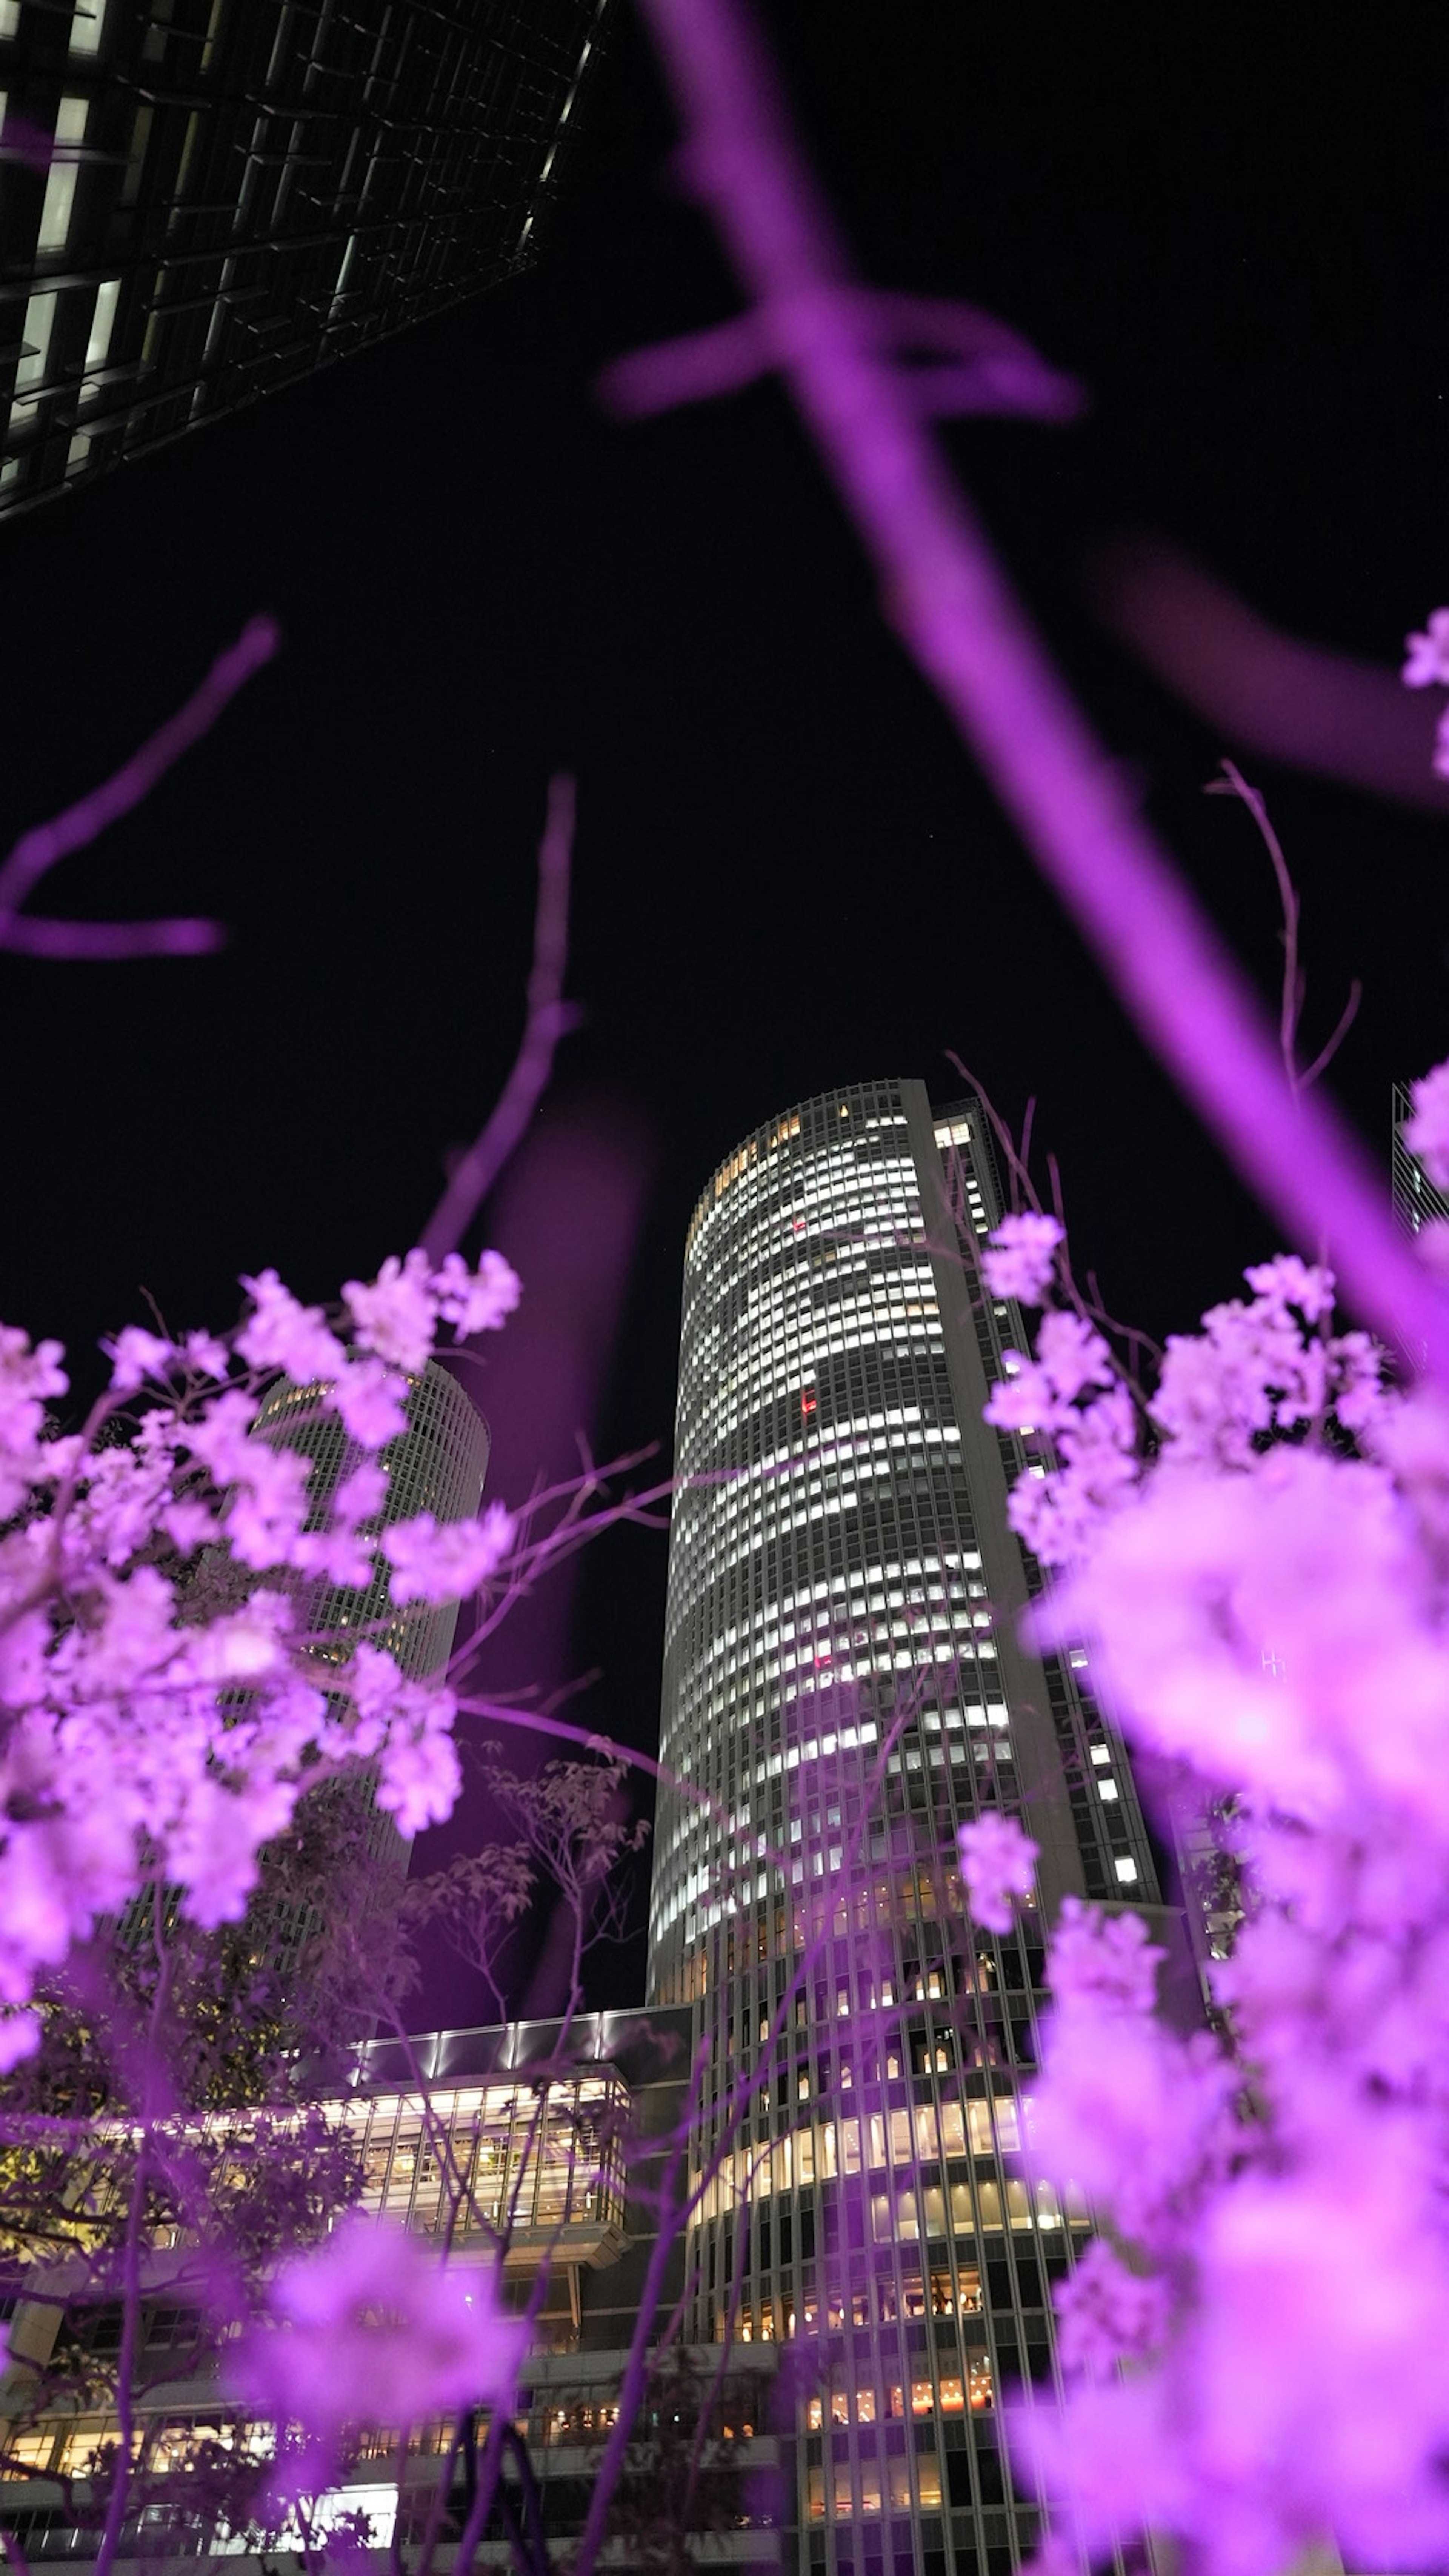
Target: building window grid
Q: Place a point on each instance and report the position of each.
(120, 212)
(764, 1575)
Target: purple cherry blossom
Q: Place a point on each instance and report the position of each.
(997, 1860)
(1023, 1400)
(1426, 1132)
(143, 1744)
(206, 1355)
(1103, 1959)
(372, 2328)
(476, 1301)
(1072, 1354)
(281, 1334)
(371, 1400)
(1059, 1514)
(1020, 1257)
(1287, 1281)
(447, 1562)
(397, 1315)
(1428, 654)
(1107, 2314)
(1264, 1576)
(27, 1377)
(136, 1355)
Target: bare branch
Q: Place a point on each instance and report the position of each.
(1233, 783)
(947, 597)
(1326, 1054)
(989, 369)
(549, 1019)
(37, 851)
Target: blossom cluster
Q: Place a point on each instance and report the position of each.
(1256, 1548)
(164, 1697)
(1260, 1368)
(1427, 666)
(371, 2327)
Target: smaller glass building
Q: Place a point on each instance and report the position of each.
(438, 1466)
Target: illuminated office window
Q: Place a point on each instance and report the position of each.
(98, 346)
(212, 26)
(87, 27)
(188, 163)
(55, 212)
(343, 274)
(35, 333)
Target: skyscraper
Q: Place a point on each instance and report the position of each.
(840, 1561)
(203, 200)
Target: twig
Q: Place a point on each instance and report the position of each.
(1090, 1308)
(1295, 983)
(988, 368)
(37, 851)
(131, 2256)
(1233, 783)
(946, 595)
(549, 1019)
(739, 2271)
(1326, 1054)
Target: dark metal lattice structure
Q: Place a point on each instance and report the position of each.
(1417, 1202)
(204, 200)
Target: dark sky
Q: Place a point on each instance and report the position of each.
(1230, 230)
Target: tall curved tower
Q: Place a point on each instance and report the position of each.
(844, 1685)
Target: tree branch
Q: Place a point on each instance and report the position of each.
(944, 592)
(549, 1019)
(37, 851)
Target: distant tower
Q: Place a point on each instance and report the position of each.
(204, 200)
(839, 1547)
(437, 1465)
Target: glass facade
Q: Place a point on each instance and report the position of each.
(845, 1684)
(437, 1466)
(202, 200)
(548, 2135)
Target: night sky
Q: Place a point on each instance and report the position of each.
(788, 875)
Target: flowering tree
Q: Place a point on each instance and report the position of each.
(1252, 1538)
(1254, 1547)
